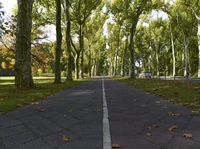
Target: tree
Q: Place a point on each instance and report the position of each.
(68, 41)
(23, 77)
(81, 11)
(58, 42)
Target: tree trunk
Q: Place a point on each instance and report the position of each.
(68, 42)
(198, 35)
(81, 47)
(124, 58)
(77, 65)
(173, 53)
(186, 43)
(94, 68)
(58, 42)
(23, 77)
(89, 61)
(116, 53)
(157, 63)
(132, 50)
(82, 59)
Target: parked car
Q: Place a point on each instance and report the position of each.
(145, 74)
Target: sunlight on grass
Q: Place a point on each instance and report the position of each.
(11, 98)
(177, 91)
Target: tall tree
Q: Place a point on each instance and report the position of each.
(81, 11)
(23, 77)
(68, 41)
(58, 42)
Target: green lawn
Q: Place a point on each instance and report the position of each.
(11, 98)
(182, 92)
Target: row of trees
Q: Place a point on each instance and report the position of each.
(163, 46)
(97, 37)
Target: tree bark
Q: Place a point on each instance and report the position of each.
(116, 53)
(124, 58)
(82, 57)
(173, 53)
(58, 42)
(186, 43)
(131, 44)
(68, 42)
(157, 63)
(198, 37)
(89, 61)
(132, 50)
(23, 77)
(77, 65)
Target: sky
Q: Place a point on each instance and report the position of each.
(8, 5)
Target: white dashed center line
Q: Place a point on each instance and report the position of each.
(106, 125)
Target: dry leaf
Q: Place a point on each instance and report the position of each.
(42, 109)
(148, 134)
(173, 128)
(187, 135)
(158, 102)
(149, 127)
(66, 139)
(173, 114)
(155, 126)
(116, 145)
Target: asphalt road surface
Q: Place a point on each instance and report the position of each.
(97, 114)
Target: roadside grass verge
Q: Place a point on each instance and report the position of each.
(11, 98)
(187, 94)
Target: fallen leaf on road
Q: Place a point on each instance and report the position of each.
(116, 145)
(98, 109)
(42, 109)
(173, 128)
(164, 107)
(187, 135)
(155, 126)
(148, 134)
(149, 127)
(173, 114)
(158, 102)
(66, 139)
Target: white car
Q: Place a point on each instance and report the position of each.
(145, 75)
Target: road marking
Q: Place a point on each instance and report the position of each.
(106, 125)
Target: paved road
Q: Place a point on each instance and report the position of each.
(74, 114)
(72, 119)
(134, 114)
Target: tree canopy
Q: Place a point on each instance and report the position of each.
(100, 37)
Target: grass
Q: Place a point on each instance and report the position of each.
(11, 98)
(187, 94)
